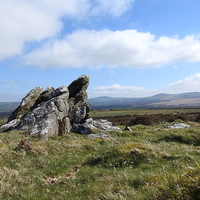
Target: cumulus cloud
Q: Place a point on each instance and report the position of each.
(33, 21)
(128, 48)
(188, 84)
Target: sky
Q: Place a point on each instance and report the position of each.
(129, 48)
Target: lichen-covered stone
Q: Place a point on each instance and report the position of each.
(77, 99)
(10, 125)
(27, 103)
(56, 111)
(44, 119)
(91, 126)
(52, 111)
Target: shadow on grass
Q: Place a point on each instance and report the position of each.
(118, 159)
(187, 138)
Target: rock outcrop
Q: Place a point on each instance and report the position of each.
(177, 125)
(56, 111)
(91, 126)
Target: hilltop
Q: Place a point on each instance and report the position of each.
(162, 100)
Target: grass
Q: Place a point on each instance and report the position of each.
(147, 163)
(121, 112)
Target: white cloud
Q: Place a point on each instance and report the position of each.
(120, 91)
(189, 84)
(113, 7)
(129, 48)
(23, 21)
(10, 82)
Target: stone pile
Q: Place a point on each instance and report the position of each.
(56, 111)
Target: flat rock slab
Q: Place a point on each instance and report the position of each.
(177, 125)
(97, 135)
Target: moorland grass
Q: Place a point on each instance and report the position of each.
(121, 112)
(148, 162)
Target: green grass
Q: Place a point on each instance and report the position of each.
(121, 112)
(147, 163)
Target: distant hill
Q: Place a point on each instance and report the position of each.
(184, 100)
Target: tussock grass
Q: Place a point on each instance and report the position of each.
(146, 163)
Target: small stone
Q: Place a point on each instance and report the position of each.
(127, 128)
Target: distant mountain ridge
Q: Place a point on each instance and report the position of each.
(162, 100)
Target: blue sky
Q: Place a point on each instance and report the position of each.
(130, 48)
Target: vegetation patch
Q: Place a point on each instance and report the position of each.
(190, 137)
(148, 162)
(128, 155)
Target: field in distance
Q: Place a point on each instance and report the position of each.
(6, 108)
(146, 116)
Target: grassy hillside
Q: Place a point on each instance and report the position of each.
(148, 162)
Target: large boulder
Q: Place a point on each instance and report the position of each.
(56, 111)
(52, 111)
(78, 111)
(49, 118)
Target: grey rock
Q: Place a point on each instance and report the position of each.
(27, 103)
(52, 111)
(49, 118)
(77, 99)
(177, 125)
(79, 114)
(106, 125)
(81, 128)
(59, 91)
(57, 111)
(84, 128)
(91, 126)
(44, 96)
(97, 135)
(10, 125)
(78, 85)
(127, 128)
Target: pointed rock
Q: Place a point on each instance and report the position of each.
(27, 103)
(80, 84)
